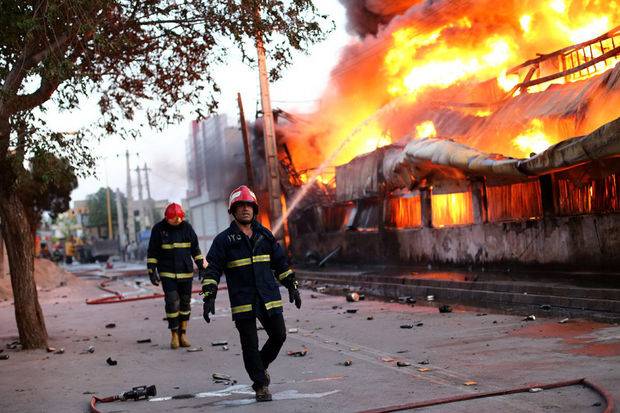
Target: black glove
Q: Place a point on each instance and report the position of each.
(209, 291)
(293, 295)
(154, 276)
(208, 306)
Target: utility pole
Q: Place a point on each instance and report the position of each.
(246, 144)
(143, 223)
(271, 150)
(131, 225)
(150, 204)
(109, 211)
(122, 239)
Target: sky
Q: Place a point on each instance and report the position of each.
(164, 152)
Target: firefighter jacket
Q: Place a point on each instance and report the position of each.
(251, 268)
(173, 249)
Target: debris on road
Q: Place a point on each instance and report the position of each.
(470, 383)
(194, 349)
(219, 343)
(535, 390)
(13, 345)
(369, 318)
(406, 326)
(111, 362)
(352, 310)
(481, 314)
(402, 351)
(403, 364)
(347, 363)
(89, 350)
(224, 348)
(314, 296)
(545, 307)
(563, 321)
(423, 369)
(298, 353)
(387, 359)
(111, 325)
(430, 298)
(223, 379)
(419, 324)
(530, 318)
(424, 362)
(445, 309)
(50, 349)
(144, 340)
(293, 330)
(353, 297)
(4, 356)
(60, 351)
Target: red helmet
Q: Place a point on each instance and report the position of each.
(242, 194)
(174, 210)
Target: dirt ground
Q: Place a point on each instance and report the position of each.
(463, 352)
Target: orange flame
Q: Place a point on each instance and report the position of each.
(533, 139)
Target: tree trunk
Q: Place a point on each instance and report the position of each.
(1, 256)
(19, 242)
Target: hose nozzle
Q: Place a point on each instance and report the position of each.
(140, 392)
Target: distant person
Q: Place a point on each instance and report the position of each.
(252, 260)
(45, 251)
(69, 251)
(173, 248)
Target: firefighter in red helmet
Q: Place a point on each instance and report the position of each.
(173, 250)
(253, 261)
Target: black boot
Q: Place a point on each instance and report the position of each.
(263, 394)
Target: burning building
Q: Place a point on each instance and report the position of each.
(441, 139)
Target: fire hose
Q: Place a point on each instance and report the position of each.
(434, 402)
(117, 297)
(137, 393)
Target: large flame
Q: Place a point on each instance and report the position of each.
(438, 51)
(533, 139)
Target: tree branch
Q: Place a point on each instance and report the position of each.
(32, 100)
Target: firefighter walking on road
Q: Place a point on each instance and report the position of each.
(252, 260)
(173, 249)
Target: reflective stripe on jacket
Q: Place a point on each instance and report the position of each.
(173, 249)
(249, 270)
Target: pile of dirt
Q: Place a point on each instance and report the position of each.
(47, 275)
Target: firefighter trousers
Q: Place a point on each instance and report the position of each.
(255, 361)
(177, 296)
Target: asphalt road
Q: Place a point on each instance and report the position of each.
(463, 352)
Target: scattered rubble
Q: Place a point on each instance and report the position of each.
(194, 349)
(223, 379)
(353, 297)
(352, 310)
(347, 363)
(406, 326)
(219, 343)
(403, 364)
(545, 307)
(370, 318)
(4, 356)
(110, 325)
(111, 362)
(563, 321)
(530, 318)
(144, 340)
(293, 330)
(470, 383)
(298, 353)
